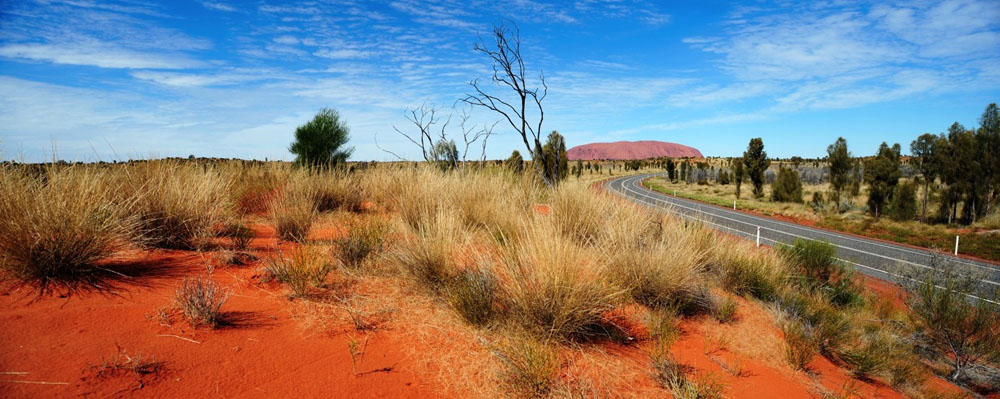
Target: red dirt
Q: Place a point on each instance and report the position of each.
(621, 150)
(262, 352)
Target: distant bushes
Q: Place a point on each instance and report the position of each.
(787, 187)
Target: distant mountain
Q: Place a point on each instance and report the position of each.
(631, 150)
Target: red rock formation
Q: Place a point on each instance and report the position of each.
(631, 150)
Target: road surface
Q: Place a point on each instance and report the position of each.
(872, 257)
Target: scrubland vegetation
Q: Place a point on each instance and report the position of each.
(537, 273)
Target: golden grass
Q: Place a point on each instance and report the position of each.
(57, 225)
(178, 203)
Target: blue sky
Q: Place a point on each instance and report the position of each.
(104, 80)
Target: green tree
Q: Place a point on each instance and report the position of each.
(319, 142)
(736, 164)
(446, 154)
(787, 187)
(988, 138)
(554, 155)
(925, 158)
(515, 162)
(841, 164)
(756, 162)
(684, 171)
(671, 169)
(903, 205)
(882, 175)
(579, 168)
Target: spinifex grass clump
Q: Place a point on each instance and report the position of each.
(361, 241)
(201, 300)
(551, 287)
(292, 212)
(179, 203)
(55, 227)
(307, 266)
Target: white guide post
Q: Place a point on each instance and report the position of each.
(675, 193)
(734, 205)
(956, 245)
(758, 236)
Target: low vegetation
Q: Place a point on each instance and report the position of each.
(200, 299)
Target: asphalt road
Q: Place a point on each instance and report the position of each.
(872, 257)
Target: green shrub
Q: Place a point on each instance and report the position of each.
(870, 357)
(965, 330)
(800, 340)
(725, 310)
(472, 295)
(530, 367)
(320, 142)
(787, 187)
(751, 275)
(360, 242)
(814, 261)
(201, 300)
(308, 266)
(903, 205)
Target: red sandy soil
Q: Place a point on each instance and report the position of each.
(620, 150)
(261, 352)
(53, 346)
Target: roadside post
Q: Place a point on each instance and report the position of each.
(758, 236)
(956, 245)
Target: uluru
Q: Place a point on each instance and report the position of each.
(621, 150)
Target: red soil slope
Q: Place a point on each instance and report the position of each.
(631, 150)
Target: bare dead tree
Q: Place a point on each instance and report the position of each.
(472, 134)
(509, 71)
(433, 142)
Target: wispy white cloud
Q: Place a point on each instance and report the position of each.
(219, 6)
(98, 55)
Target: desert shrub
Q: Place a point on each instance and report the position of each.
(239, 233)
(361, 241)
(871, 356)
(551, 287)
(753, 273)
(905, 369)
(472, 295)
(428, 254)
(292, 213)
(818, 202)
(320, 142)
(662, 276)
(336, 190)
(55, 228)
(530, 367)
(800, 343)
(725, 310)
(903, 205)
(580, 215)
(832, 329)
(965, 330)
(787, 187)
(307, 266)
(201, 300)
(813, 260)
(178, 203)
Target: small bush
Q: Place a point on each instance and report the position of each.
(201, 300)
(814, 261)
(787, 187)
(870, 357)
(903, 205)
(530, 368)
(55, 228)
(751, 274)
(292, 214)
(725, 310)
(178, 204)
(137, 365)
(337, 190)
(800, 343)
(552, 288)
(818, 202)
(308, 266)
(472, 295)
(239, 233)
(428, 254)
(360, 242)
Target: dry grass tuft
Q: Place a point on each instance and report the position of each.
(178, 203)
(292, 212)
(56, 227)
(201, 300)
(361, 242)
(308, 266)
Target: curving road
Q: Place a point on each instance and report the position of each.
(872, 257)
